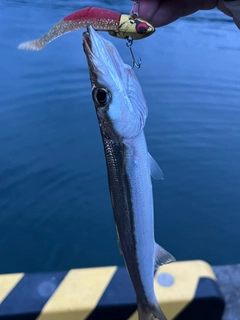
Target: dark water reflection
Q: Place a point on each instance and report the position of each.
(55, 210)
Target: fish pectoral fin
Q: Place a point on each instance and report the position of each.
(156, 171)
(162, 256)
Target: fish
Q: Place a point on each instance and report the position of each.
(122, 112)
(116, 24)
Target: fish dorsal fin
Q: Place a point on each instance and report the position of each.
(162, 256)
(156, 171)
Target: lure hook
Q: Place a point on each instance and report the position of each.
(129, 45)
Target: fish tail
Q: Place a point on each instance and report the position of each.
(150, 312)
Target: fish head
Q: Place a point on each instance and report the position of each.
(116, 92)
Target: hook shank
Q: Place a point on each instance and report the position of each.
(129, 45)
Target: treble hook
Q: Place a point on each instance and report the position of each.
(129, 45)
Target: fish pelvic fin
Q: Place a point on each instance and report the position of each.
(162, 256)
(156, 171)
(150, 313)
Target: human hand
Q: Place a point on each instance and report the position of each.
(162, 12)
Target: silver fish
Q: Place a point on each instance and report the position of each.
(121, 111)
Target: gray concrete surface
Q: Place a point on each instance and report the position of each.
(229, 282)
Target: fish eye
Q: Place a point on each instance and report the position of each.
(101, 96)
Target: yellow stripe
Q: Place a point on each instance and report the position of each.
(186, 276)
(7, 283)
(78, 294)
(134, 316)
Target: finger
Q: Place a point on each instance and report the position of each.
(146, 8)
(160, 13)
(223, 8)
(233, 7)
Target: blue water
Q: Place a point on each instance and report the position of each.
(55, 211)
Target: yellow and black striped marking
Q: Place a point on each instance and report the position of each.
(185, 291)
(29, 295)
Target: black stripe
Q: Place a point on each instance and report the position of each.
(29, 296)
(207, 304)
(118, 301)
(121, 195)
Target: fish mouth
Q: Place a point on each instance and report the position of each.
(102, 57)
(106, 67)
(91, 43)
(87, 45)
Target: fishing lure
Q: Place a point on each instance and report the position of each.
(116, 24)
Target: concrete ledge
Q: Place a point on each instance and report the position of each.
(229, 283)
